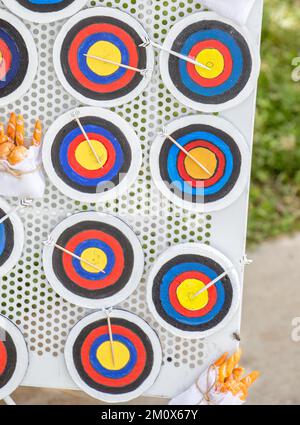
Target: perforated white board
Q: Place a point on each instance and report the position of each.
(27, 298)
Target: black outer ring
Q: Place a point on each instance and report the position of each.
(24, 59)
(6, 376)
(174, 62)
(120, 136)
(109, 291)
(10, 239)
(190, 258)
(142, 64)
(197, 199)
(103, 388)
(45, 8)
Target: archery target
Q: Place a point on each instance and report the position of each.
(218, 146)
(138, 356)
(13, 357)
(110, 34)
(101, 240)
(228, 52)
(44, 11)
(72, 166)
(18, 58)
(178, 275)
(11, 239)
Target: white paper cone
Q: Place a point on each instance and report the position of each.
(204, 393)
(31, 185)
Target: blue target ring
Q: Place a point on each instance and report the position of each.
(82, 61)
(7, 239)
(64, 141)
(85, 81)
(77, 178)
(45, 6)
(113, 374)
(94, 243)
(2, 239)
(222, 48)
(95, 374)
(45, 1)
(118, 267)
(177, 179)
(73, 172)
(165, 300)
(202, 190)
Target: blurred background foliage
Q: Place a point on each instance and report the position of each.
(275, 191)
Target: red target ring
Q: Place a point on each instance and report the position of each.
(228, 64)
(91, 173)
(212, 294)
(6, 59)
(73, 57)
(100, 379)
(3, 357)
(220, 164)
(109, 280)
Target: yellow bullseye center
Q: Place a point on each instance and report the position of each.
(94, 256)
(1, 57)
(104, 355)
(185, 292)
(85, 157)
(214, 60)
(206, 157)
(105, 50)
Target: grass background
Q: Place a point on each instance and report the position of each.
(275, 191)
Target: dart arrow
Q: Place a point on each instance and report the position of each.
(149, 42)
(122, 65)
(187, 153)
(75, 116)
(213, 282)
(111, 339)
(50, 242)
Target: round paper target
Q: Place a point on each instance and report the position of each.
(137, 356)
(229, 59)
(44, 11)
(11, 239)
(86, 174)
(13, 357)
(177, 294)
(98, 240)
(108, 34)
(17, 66)
(206, 169)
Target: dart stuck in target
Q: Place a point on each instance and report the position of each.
(137, 349)
(93, 260)
(179, 294)
(92, 154)
(200, 163)
(117, 38)
(229, 53)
